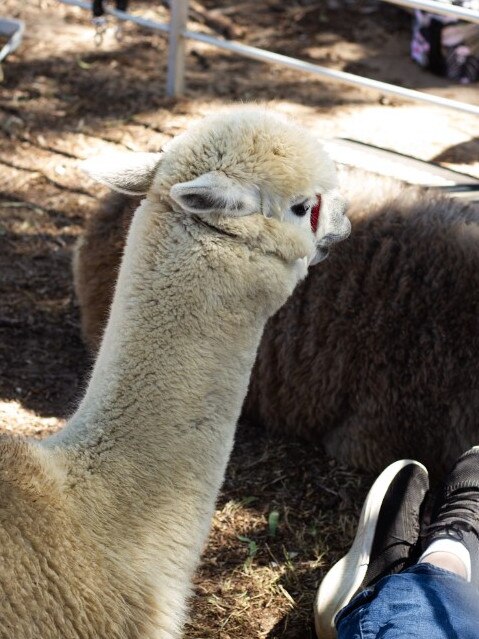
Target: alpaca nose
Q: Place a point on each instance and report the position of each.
(340, 230)
(337, 225)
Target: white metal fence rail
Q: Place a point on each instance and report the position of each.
(178, 34)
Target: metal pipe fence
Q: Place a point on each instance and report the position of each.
(179, 34)
(439, 7)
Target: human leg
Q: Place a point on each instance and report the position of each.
(422, 602)
(437, 598)
(387, 534)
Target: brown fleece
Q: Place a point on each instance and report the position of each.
(376, 353)
(96, 262)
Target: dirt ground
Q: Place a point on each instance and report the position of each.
(286, 511)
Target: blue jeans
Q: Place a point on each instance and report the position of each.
(423, 602)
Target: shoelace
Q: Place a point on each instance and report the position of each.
(454, 529)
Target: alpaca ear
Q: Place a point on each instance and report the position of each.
(215, 192)
(130, 173)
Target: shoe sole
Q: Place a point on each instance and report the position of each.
(346, 576)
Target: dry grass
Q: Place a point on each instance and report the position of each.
(258, 575)
(15, 420)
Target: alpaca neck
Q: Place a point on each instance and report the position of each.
(172, 372)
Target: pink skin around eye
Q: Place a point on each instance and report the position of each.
(315, 214)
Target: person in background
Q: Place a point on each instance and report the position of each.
(446, 46)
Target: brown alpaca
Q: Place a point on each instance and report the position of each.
(376, 352)
(96, 262)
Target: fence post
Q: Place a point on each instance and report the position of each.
(175, 83)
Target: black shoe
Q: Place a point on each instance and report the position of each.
(385, 541)
(455, 513)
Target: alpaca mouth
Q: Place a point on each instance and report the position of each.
(322, 247)
(329, 239)
(320, 255)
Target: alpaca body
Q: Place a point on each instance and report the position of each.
(375, 354)
(148, 502)
(50, 570)
(385, 335)
(102, 525)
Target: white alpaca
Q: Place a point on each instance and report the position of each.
(103, 524)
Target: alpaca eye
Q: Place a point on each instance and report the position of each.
(300, 209)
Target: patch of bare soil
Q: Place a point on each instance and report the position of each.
(286, 511)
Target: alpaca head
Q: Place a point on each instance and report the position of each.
(235, 164)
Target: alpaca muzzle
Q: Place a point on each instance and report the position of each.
(332, 224)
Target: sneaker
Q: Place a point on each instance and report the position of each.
(385, 542)
(455, 513)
